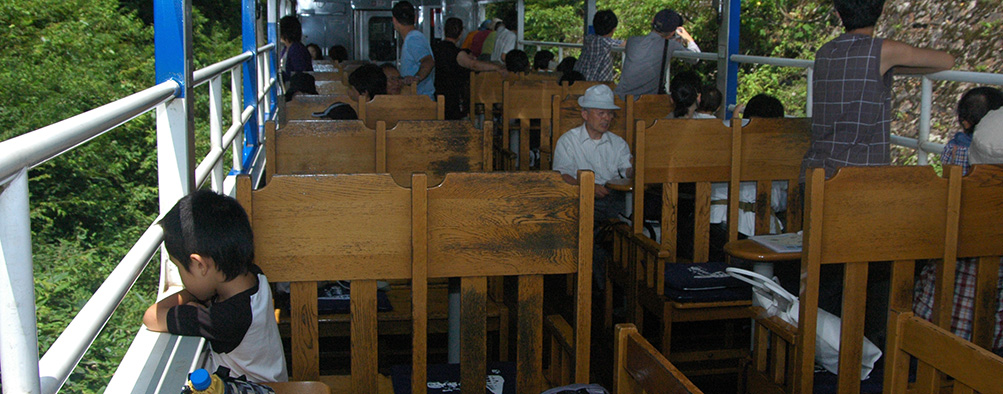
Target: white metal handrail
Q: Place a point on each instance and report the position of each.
(31, 149)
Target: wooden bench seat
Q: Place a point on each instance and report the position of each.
(302, 106)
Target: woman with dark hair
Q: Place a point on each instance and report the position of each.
(295, 57)
(368, 80)
(542, 60)
(314, 50)
(517, 61)
(685, 93)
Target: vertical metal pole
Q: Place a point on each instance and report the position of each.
(520, 10)
(236, 92)
(810, 91)
(18, 328)
(216, 128)
(250, 70)
(273, 38)
(590, 12)
(175, 119)
(727, 71)
(560, 54)
(924, 122)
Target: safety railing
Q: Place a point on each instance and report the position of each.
(23, 370)
(922, 143)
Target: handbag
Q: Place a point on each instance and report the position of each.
(781, 303)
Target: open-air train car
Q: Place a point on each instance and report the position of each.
(159, 362)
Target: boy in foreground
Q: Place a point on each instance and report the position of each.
(226, 298)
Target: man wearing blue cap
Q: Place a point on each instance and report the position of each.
(646, 66)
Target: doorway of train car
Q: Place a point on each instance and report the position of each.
(327, 23)
(377, 39)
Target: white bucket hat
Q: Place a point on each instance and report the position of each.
(987, 144)
(599, 97)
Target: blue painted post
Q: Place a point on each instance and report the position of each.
(727, 70)
(175, 119)
(250, 71)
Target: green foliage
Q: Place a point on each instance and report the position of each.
(89, 205)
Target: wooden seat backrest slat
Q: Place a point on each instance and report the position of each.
(320, 147)
(650, 107)
(486, 90)
(640, 368)
(979, 236)
(772, 150)
(579, 87)
(348, 146)
(325, 65)
(524, 101)
(302, 106)
(326, 75)
(394, 108)
(332, 87)
(525, 224)
(858, 206)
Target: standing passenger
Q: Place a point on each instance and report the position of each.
(417, 63)
(505, 40)
(646, 67)
(852, 103)
(597, 64)
(453, 66)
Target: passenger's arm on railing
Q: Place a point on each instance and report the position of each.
(155, 317)
(912, 60)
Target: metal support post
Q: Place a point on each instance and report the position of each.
(18, 328)
(810, 91)
(273, 38)
(590, 12)
(216, 128)
(924, 121)
(250, 44)
(236, 108)
(727, 70)
(520, 31)
(175, 118)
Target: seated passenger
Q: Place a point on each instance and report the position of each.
(543, 60)
(760, 106)
(393, 78)
(315, 53)
(710, 102)
(367, 80)
(592, 147)
(338, 53)
(971, 108)
(516, 61)
(567, 65)
(226, 298)
(295, 57)
(986, 148)
(685, 93)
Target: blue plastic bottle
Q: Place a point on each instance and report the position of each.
(203, 382)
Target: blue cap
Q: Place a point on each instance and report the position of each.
(201, 380)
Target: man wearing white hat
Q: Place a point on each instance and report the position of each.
(987, 143)
(592, 147)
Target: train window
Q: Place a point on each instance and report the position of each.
(382, 44)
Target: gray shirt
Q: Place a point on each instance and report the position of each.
(641, 66)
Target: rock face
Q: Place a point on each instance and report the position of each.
(969, 30)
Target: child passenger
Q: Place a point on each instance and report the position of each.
(974, 104)
(226, 298)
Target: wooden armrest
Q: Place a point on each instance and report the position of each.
(776, 325)
(302, 387)
(561, 330)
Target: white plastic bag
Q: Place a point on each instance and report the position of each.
(781, 303)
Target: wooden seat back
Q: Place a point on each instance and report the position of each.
(325, 65)
(472, 226)
(334, 76)
(394, 108)
(523, 102)
(324, 228)
(486, 91)
(650, 107)
(435, 147)
(348, 146)
(579, 87)
(640, 368)
(941, 353)
(528, 225)
(302, 107)
(900, 214)
(567, 114)
(332, 87)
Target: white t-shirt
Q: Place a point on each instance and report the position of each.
(504, 42)
(608, 157)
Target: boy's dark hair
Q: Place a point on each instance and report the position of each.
(210, 225)
(541, 61)
(516, 61)
(454, 26)
(338, 53)
(604, 22)
(403, 12)
(710, 99)
(566, 65)
(684, 88)
(859, 13)
(369, 79)
(975, 103)
(764, 106)
(290, 28)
